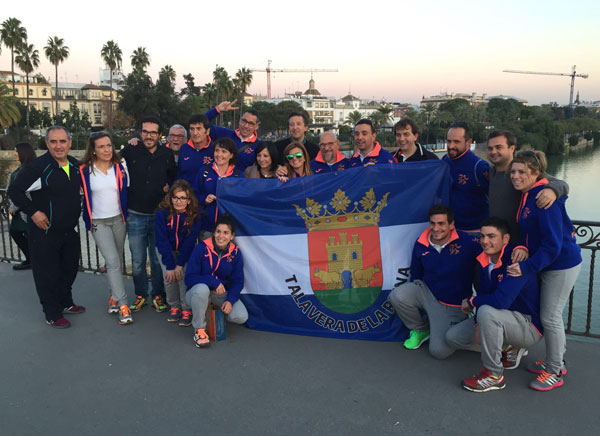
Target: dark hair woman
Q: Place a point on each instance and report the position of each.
(553, 254)
(104, 181)
(266, 162)
(18, 227)
(215, 273)
(177, 228)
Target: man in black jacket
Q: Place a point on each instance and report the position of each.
(297, 127)
(409, 150)
(53, 182)
(152, 169)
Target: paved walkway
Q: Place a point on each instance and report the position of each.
(99, 378)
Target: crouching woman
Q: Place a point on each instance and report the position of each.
(215, 273)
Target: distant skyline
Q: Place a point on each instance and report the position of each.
(397, 51)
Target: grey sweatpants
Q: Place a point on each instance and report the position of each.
(198, 297)
(555, 287)
(109, 234)
(175, 291)
(410, 298)
(499, 328)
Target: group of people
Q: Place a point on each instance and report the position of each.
(507, 220)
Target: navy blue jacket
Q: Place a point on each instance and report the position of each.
(171, 234)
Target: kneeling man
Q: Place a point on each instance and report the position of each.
(508, 310)
(441, 276)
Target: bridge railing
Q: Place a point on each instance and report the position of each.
(579, 319)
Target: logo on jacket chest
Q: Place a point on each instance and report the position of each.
(207, 160)
(526, 212)
(500, 277)
(454, 248)
(463, 179)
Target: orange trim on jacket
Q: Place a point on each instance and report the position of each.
(524, 195)
(424, 238)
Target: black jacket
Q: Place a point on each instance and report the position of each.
(421, 154)
(58, 197)
(148, 174)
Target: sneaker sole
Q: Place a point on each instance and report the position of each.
(202, 345)
(549, 388)
(490, 388)
(563, 371)
(172, 320)
(58, 326)
(185, 325)
(136, 308)
(126, 322)
(418, 345)
(112, 312)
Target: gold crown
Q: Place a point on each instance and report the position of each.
(320, 217)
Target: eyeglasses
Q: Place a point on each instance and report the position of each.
(148, 133)
(245, 121)
(327, 144)
(174, 198)
(295, 156)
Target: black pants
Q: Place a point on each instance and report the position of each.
(20, 238)
(54, 261)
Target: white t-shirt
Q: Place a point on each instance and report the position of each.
(105, 196)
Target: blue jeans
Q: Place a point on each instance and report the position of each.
(140, 230)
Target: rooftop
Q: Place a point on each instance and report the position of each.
(98, 378)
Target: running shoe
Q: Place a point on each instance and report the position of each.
(540, 366)
(416, 339)
(60, 323)
(484, 381)
(511, 358)
(125, 315)
(138, 304)
(546, 381)
(113, 306)
(201, 339)
(186, 319)
(159, 304)
(73, 310)
(174, 314)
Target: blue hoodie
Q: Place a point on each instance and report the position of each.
(171, 234)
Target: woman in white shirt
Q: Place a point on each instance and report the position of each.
(104, 181)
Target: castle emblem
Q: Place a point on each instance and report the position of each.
(343, 247)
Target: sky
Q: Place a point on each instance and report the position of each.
(398, 51)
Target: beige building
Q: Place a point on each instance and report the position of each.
(91, 99)
(473, 99)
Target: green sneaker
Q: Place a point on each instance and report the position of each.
(138, 304)
(416, 339)
(159, 304)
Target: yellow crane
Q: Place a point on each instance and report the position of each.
(572, 75)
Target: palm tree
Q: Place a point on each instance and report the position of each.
(168, 72)
(28, 59)
(210, 93)
(9, 111)
(244, 78)
(13, 35)
(112, 57)
(353, 118)
(140, 59)
(56, 52)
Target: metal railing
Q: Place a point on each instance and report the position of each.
(588, 237)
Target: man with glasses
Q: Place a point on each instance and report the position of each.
(245, 136)
(329, 157)
(198, 152)
(176, 138)
(409, 150)
(152, 169)
(368, 150)
(470, 179)
(297, 128)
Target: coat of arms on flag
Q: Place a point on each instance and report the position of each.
(344, 254)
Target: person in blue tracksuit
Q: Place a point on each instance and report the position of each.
(329, 157)
(177, 227)
(196, 153)
(507, 321)
(216, 273)
(554, 254)
(441, 276)
(368, 150)
(205, 186)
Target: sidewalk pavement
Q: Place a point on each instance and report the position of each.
(99, 378)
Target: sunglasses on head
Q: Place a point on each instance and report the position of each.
(295, 155)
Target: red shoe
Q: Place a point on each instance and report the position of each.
(60, 323)
(483, 382)
(73, 310)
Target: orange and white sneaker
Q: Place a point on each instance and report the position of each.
(125, 315)
(113, 307)
(201, 339)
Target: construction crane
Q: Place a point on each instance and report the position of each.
(572, 75)
(270, 70)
